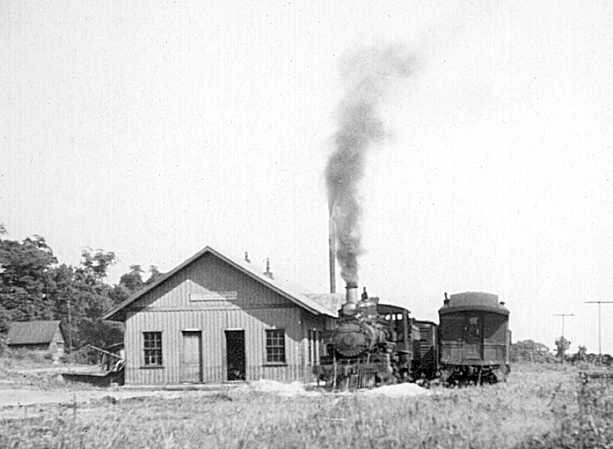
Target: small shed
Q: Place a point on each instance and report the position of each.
(37, 335)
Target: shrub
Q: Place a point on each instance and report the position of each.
(81, 356)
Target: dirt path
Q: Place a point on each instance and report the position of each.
(58, 369)
(21, 397)
(16, 397)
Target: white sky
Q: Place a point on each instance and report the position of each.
(155, 128)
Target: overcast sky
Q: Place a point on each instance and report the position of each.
(155, 128)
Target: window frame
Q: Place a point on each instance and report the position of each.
(278, 345)
(148, 357)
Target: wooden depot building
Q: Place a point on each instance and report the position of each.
(214, 319)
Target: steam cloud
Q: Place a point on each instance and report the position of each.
(368, 73)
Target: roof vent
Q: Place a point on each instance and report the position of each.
(247, 257)
(268, 273)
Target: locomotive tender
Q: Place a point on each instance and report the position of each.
(375, 344)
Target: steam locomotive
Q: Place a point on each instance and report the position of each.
(375, 344)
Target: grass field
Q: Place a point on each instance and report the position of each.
(540, 407)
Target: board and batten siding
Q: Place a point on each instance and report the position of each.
(211, 296)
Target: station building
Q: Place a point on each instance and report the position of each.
(215, 318)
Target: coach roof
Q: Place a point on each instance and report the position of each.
(467, 301)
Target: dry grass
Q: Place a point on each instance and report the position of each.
(537, 408)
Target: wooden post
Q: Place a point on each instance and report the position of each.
(334, 378)
(599, 326)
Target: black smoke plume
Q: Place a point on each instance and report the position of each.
(368, 75)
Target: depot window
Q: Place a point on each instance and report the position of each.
(152, 348)
(275, 345)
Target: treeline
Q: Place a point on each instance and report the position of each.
(34, 285)
(531, 351)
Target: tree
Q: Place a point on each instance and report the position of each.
(530, 351)
(154, 274)
(133, 280)
(80, 297)
(581, 354)
(90, 295)
(129, 283)
(118, 294)
(4, 319)
(34, 286)
(24, 278)
(102, 333)
(98, 263)
(562, 345)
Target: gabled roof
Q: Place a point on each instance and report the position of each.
(283, 288)
(31, 332)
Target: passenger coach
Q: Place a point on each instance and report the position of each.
(474, 337)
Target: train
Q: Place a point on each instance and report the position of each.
(376, 344)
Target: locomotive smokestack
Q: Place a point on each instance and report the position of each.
(351, 295)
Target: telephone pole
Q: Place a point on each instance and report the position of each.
(69, 326)
(563, 315)
(599, 326)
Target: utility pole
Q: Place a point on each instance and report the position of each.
(69, 326)
(332, 246)
(563, 315)
(599, 326)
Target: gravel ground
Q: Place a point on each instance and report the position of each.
(16, 397)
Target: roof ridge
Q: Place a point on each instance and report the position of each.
(248, 269)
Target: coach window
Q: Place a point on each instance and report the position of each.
(474, 327)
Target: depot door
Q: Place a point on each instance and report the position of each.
(235, 355)
(191, 357)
